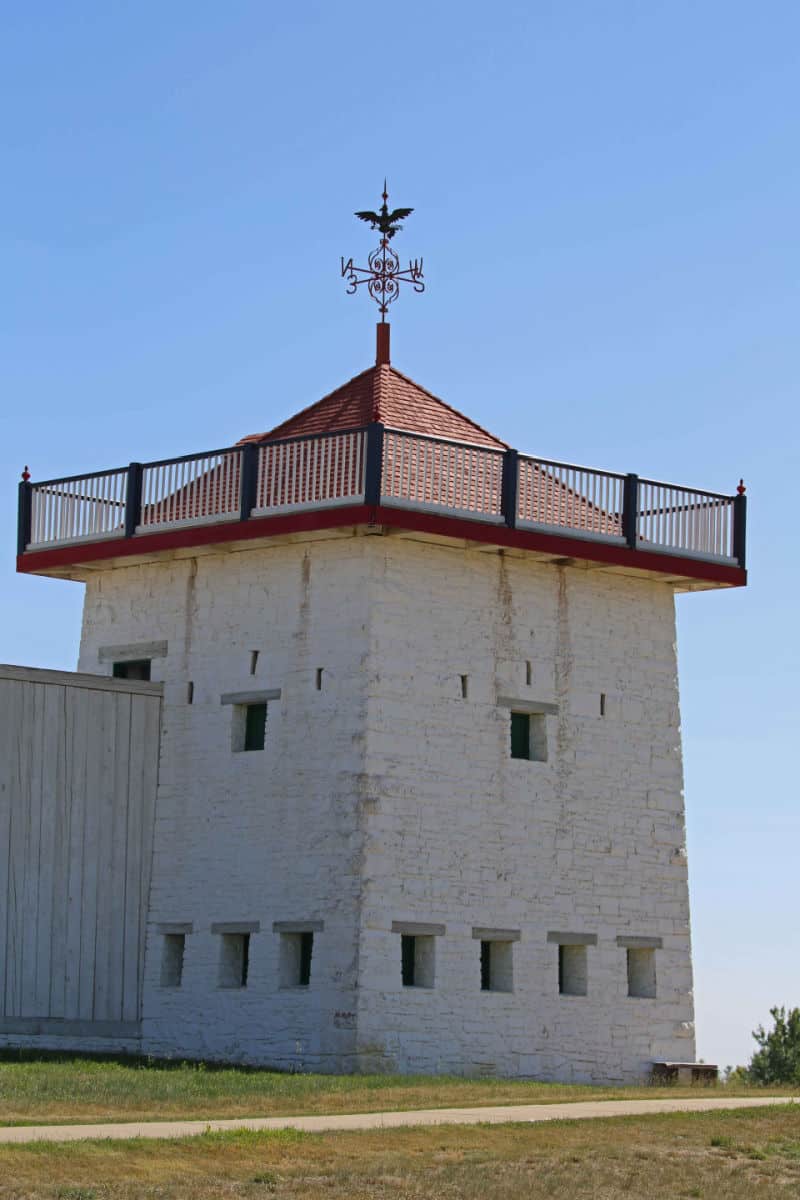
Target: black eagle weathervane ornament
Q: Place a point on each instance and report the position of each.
(384, 275)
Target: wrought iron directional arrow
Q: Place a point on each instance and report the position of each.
(384, 275)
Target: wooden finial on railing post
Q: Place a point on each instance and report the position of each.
(740, 525)
(24, 512)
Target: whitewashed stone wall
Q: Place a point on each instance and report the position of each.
(387, 797)
(461, 834)
(261, 836)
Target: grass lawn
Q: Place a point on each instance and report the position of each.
(39, 1089)
(742, 1155)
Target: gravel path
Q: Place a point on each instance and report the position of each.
(573, 1111)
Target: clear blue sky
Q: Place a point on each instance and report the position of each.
(608, 198)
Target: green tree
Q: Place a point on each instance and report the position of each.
(778, 1058)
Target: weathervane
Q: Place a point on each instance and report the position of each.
(384, 276)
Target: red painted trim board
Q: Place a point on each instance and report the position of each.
(34, 561)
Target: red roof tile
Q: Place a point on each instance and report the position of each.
(381, 393)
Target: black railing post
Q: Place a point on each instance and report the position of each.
(740, 529)
(508, 495)
(373, 473)
(248, 479)
(133, 499)
(630, 509)
(24, 509)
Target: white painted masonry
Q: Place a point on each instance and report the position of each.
(459, 832)
(388, 796)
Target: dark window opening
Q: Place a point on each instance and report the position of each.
(464, 686)
(235, 960)
(529, 736)
(245, 958)
(306, 950)
(528, 673)
(418, 953)
(642, 972)
(255, 726)
(190, 692)
(486, 966)
(253, 661)
(497, 974)
(520, 735)
(319, 679)
(138, 669)
(572, 973)
(602, 704)
(172, 959)
(295, 959)
(409, 955)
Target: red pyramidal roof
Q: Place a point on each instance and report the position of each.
(381, 393)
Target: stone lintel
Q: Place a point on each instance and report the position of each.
(640, 943)
(298, 926)
(252, 697)
(573, 939)
(236, 927)
(418, 929)
(533, 707)
(485, 934)
(132, 651)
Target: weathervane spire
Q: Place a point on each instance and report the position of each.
(384, 275)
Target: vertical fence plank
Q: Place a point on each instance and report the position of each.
(10, 750)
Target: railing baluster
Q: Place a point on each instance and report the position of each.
(272, 459)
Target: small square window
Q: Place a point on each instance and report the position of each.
(642, 972)
(529, 736)
(234, 963)
(496, 966)
(172, 953)
(408, 957)
(572, 970)
(138, 669)
(296, 952)
(255, 726)
(417, 960)
(249, 726)
(520, 735)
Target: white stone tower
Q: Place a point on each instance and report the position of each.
(419, 799)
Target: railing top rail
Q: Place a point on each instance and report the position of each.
(307, 437)
(678, 487)
(182, 458)
(240, 446)
(179, 458)
(433, 437)
(552, 462)
(41, 483)
(683, 487)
